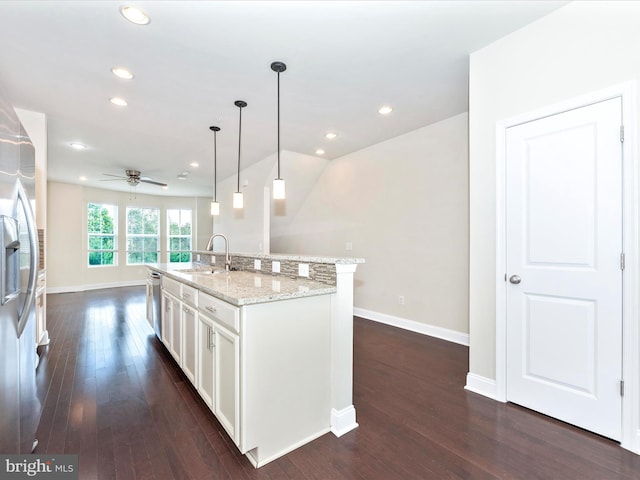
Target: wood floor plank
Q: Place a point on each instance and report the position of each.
(112, 394)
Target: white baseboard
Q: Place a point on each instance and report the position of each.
(96, 286)
(257, 463)
(343, 421)
(481, 385)
(418, 327)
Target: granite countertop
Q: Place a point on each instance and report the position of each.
(242, 287)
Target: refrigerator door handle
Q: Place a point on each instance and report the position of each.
(23, 201)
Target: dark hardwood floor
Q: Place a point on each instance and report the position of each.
(112, 394)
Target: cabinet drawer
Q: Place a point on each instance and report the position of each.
(189, 295)
(219, 311)
(171, 286)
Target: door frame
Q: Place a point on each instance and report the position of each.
(631, 238)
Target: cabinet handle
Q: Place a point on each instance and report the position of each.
(210, 340)
(185, 310)
(185, 295)
(210, 309)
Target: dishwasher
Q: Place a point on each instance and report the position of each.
(154, 283)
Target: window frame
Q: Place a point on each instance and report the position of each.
(144, 236)
(113, 211)
(186, 256)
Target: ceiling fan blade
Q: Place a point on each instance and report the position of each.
(117, 176)
(111, 179)
(143, 180)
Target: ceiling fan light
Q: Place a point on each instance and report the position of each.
(215, 208)
(278, 189)
(238, 201)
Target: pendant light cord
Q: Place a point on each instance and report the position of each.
(278, 125)
(215, 166)
(239, 139)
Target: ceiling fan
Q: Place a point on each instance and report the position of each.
(133, 178)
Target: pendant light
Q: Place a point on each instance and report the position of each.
(237, 196)
(278, 183)
(215, 206)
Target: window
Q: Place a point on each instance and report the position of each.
(143, 235)
(102, 234)
(179, 230)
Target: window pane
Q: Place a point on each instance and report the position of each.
(179, 235)
(185, 244)
(101, 231)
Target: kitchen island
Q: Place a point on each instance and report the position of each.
(269, 353)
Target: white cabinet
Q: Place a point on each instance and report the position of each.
(189, 345)
(206, 360)
(42, 335)
(227, 381)
(172, 325)
(149, 303)
(219, 360)
(263, 369)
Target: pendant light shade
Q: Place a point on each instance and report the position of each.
(215, 206)
(238, 201)
(278, 183)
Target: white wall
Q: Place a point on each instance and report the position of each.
(253, 228)
(403, 205)
(67, 268)
(581, 48)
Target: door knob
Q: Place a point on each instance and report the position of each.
(515, 279)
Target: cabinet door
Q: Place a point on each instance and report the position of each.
(189, 342)
(227, 381)
(176, 330)
(150, 303)
(172, 325)
(165, 318)
(206, 360)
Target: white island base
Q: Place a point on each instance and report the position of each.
(270, 355)
(286, 376)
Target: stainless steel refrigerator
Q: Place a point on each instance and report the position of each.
(19, 405)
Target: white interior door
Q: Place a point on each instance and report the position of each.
(564, 273)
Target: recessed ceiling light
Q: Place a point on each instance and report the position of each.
(385, 110)
(77, 146)
(319, 151)
(134, 15)
(82, 178)
(330, 135)
(194, 164)
(121, 102)
(182, 176)
(121, 72)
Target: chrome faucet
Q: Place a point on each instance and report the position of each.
(227, 259)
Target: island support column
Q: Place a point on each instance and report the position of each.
(343, 413)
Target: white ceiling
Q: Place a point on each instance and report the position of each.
(344, 60)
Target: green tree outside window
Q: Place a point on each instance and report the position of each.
(102, 238)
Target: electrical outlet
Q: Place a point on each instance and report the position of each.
(275, 267)
(257, 264)
(197, 257)
(257, 282)
(401, 300)
(303, 269)
(275, 285)
(348, 246)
